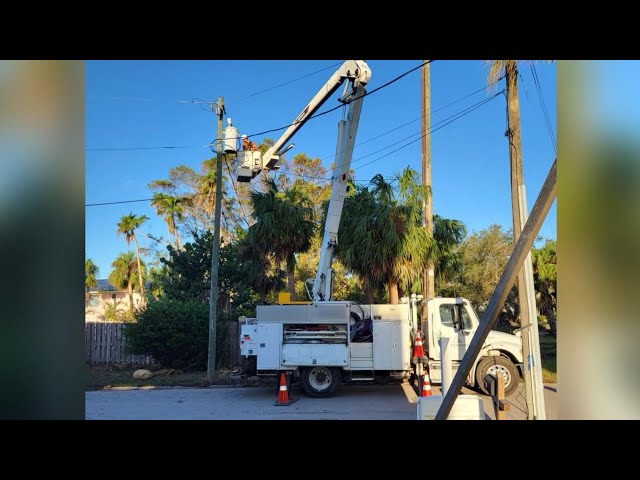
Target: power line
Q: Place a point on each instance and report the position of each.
(351, 100)
(536, 81)
(448, 121)
(412, 121)
(285, 126)
(139, 148)
(290, 81)
(471, 109)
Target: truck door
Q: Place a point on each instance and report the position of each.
(451, 320)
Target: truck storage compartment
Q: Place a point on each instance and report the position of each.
(308, 354)
(315, 344)
(391, 345)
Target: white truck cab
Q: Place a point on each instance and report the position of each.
(454, 318)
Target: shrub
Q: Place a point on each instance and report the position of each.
(174, 332)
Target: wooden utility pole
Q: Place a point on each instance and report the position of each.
(515, 159)
(215, 255)
(428, 290)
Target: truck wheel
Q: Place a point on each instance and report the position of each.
(320, 382)
(493, 365)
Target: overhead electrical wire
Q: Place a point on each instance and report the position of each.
(443, 123)
(290, 81)
(279, 128)
(536, 81)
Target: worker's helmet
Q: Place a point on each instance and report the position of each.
(244, 136)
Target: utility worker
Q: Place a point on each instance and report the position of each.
(247, 144)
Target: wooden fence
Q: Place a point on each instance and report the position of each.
(104, 344)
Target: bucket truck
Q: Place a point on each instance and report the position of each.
(327, 342)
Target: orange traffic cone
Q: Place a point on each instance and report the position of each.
(283, 394)
(418, 351)
(426, 386)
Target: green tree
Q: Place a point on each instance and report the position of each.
(127, 226)
(284, 226)
(174, 332)
(381, 238)
(448, 235)
(124, 274)
(484, 255)
(171, 209)
(545, 276)
(90, 278)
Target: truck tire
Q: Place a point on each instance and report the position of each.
(492, 365)
(320, 382)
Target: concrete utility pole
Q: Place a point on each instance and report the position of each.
(215, 255)
(522, 248)
(526, 291)
(428, 290)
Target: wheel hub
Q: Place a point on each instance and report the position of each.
(493, 370)
(320, 378)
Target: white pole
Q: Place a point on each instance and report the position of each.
(533, 363)
(445, 365)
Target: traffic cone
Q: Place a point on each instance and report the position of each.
(418, 351)
(283, 394)
(426, 386)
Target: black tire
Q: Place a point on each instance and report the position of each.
(313, 377)
(502, 364)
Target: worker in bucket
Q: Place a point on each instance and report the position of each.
(248, 145)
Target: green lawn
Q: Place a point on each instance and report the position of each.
(548, 354)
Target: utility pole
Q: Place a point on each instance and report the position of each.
(428, 290)
(526, 292)
(516, 260)
(215, 255)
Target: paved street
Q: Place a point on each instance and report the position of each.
(360, 402)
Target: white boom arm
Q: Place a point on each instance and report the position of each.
(322, 286)
(354, 70)
(359, 74)
(357, 71)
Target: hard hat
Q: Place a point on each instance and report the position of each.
(244, 135)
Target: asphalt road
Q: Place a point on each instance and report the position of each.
(359, 402)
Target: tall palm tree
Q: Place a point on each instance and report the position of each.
(170, 208)
(125, 271)
(90, 277)
(284, 225)
(381, 236)
(127, 226)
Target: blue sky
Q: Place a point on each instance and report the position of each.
(136, 104)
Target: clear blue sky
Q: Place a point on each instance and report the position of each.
(135, 104)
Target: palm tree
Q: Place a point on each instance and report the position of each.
(265, 278)
(284, 225)
(90, 277)
(448, 235)
(170, 208)
(125, 271)
(127, 227)
(381, 235)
